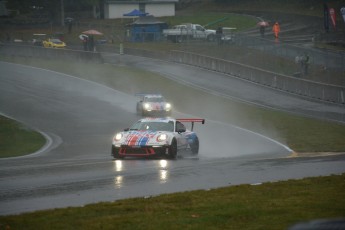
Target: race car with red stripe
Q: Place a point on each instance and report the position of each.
(157, 137)
(153, 105)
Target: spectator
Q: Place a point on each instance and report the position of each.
(276, 30)
(219, 33)
(91, 43)
(85, 43)
(262, 31)
(305, 61)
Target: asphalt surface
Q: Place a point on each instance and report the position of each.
(79, 118)
(234, 88)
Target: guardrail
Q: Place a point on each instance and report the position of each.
(49, 53)
(302, 87)
(306, 88)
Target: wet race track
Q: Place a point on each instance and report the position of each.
(79, 118)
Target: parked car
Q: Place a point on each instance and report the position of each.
(186, 31)
(54, 43)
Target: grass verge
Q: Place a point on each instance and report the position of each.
(267, 206)
(17, 139)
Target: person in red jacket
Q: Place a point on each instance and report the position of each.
(276, 30)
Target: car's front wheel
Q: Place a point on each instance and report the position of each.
(115, 153)
(173, 149)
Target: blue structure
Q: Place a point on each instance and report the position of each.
(135, 13)
(147, 29)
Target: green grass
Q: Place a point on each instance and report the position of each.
(17, 139)
(267, 206)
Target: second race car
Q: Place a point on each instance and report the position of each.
(156, 137)
(153, 105)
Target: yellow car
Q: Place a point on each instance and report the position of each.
(54, 43)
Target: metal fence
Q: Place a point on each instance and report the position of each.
(325, 58)
(310, 89)
(306, 88)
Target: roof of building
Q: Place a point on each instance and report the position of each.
(147, 20)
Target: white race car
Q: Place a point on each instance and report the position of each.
(156, 137)
(153, 104)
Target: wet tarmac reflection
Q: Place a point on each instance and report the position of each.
(163, 171)
(118, 181)
(120, 166)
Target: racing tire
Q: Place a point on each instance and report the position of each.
(115, 153)
(195, 146)
(173, 149)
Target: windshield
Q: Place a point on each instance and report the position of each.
(154, 99)
(55, 40)
(154, 126)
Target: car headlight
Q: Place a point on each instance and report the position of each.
(118, 137)
(167, 106)
(147, 106)
(162, 137)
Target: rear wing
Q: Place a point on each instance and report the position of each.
(192, 120)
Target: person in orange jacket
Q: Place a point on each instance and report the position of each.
(276, 30)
